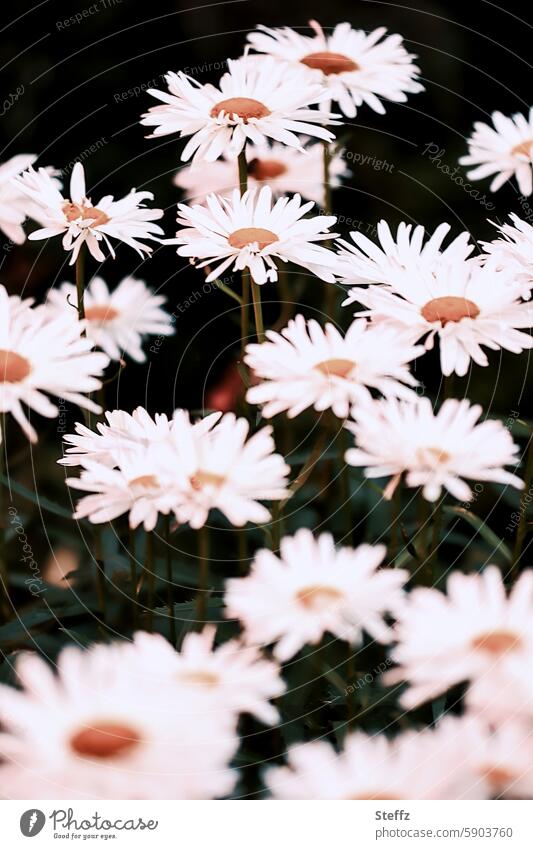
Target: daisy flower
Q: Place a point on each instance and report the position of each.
(313, 589)
(514, 249)
(256, 99)
(285, 169)
(354, 67)
(466, 305)
(252, 232)
(230, 679)
(473, 632)
(501, 758)
(38, 356)
(79, 221)
(366, 262)
(505, 149)
(307, 366)
(15, 206)
(116, 321)
(434, 451)
(94, 730)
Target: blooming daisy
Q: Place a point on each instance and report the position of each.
(256, 99)
(514, 249)
(473, 632)
(505, 149)
(15, 206)
(466, 305)
(312, 589)
(307, 366)
(81, 222)
(94, 730)
(230, 678)
(354, 67)
(116, 321)
(285, 169)
(501, 758)
(38, 356)
(433, 450)
(252, 232)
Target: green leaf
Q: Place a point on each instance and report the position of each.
(492, 539)
(40, 501)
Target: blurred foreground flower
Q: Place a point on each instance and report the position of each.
(505, 149)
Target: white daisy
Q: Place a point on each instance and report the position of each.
(501, 758)
(307, 366)
(116, 321)
(514, 249)
(476, 631)
(15, 206)
(229, 679)
(94, 730)
(38, 356)
(354, 67)
(434, 451)
(366, 262)
(255, 100)
(252, 232)
(79, 221)
(312, 589)
(505, 149)
(285, 169)
(466, 305)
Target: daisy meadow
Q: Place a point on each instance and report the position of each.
(253, 232)
(40, 357)
(285, 169)
(307, 366)
(94, 730)
(257, 99)
(354, 67)
(514, 249)
(79, 221)
(467, 306)
(313, 589)
(433, 450)
(476, 632)
(116, 321)
(227, 679)
(505, 149)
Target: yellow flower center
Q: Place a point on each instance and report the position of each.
(335, 367)
(244, 107)
(105, 740)
(101, 313)
(73, 211)
(252, 235)
(318, 597)
(497, 642)
(13, 367)
(266, 169)
(449, 308)
(330, 63)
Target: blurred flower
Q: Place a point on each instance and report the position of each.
(307, 366)
(15, 205)
(514, 250)
(257, 99)
(505, 149)
(433, 451)
(313, 589)
(252, 232)
(118, 320)
(354, 67)
(39, 355)
(285, 169)
(95, 730)
(80, 222)
(501, 758)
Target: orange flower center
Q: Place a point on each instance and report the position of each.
(525, 148)
(318, 597)
(497, 642)
(244, 107)
(266, 169)
(430, 456)
(13, 367)
(145, 481)
(202, 479)
(200, 676)
(106, 740)
(335, 367)
(73, 211)
(449, 308)
(250, 236)
(329, 63)
(101, 313)
(498, 776)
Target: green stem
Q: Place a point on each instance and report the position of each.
(524, 501)
(150, 574)
(429, 570)
(258, 312)
(133, 572)
(170, 584)
(203, 578)
(80, 285)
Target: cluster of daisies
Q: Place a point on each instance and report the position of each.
(141, 719)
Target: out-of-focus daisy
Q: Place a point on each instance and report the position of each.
(434, 451)
(285, 169)
(252, 232)
(501, 758)
(79, 221)
(229, 679)
(116, 321)
(466, 305)
(312, 589)
(474, 632)
(366, 262)
(307, 366)
(514, 249)
(354, 67)
(15, 205)
(95, 730)
(38, 356)
(505, 149)
(255, 100)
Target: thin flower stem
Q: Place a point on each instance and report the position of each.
(170, 584)
(345, 488)
(150, 570)
(525, 498)
(396, 506)
(203, 578)
(431, 560)
(80, 284)
(133, 572)
(258, 311)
